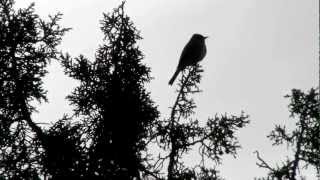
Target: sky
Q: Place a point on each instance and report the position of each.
(257, 51)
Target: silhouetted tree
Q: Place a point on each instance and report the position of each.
(27, 44)
(181, 133)
(303, 140)
(112, 102)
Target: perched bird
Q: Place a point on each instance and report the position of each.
(192, 53)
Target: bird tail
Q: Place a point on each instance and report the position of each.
(174, 77)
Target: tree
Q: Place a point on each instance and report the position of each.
(180, 133)
(303, 141)
(27, 44)
(112, 102)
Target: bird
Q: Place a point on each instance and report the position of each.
(193, 52)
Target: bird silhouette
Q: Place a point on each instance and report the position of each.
(192, 53)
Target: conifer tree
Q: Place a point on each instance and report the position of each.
(303, 140)
(181, 133)
(112, 101)
(27, 44)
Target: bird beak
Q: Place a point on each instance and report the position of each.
(206, 37)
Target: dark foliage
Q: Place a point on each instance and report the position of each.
(65, 153)
(112, 102)
(181, 133)
(27, 44)
(303, 140)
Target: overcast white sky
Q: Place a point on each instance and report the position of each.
(257, 52)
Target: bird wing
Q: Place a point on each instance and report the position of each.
(191, 54)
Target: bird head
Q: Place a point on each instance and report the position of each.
(199, 37)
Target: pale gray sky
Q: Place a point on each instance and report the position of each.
(257, 52)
